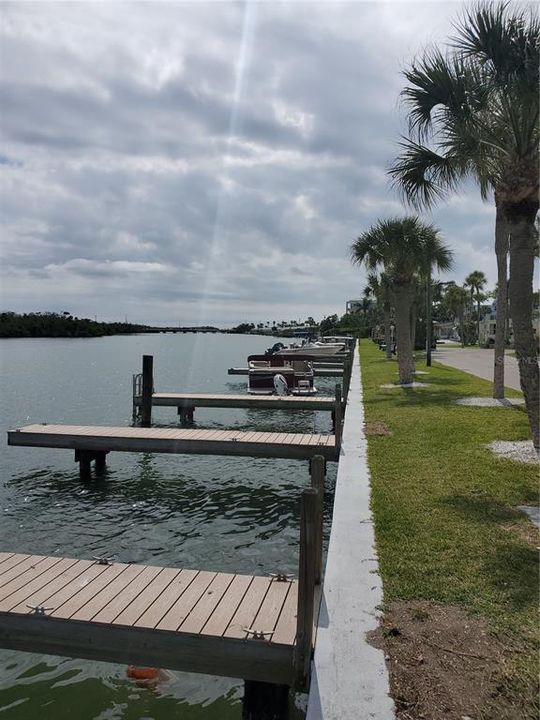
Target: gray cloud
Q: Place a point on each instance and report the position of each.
(208, 161)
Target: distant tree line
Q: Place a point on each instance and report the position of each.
(50, 324)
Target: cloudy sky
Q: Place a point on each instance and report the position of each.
(206, 162)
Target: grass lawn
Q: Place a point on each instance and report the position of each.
(444, 506)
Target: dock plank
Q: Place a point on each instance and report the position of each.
(118, 604)
(85, 593)
(206, 605)
(162, 604)
(221, 617)
(285, 630)
(11, 561)
(189, 598)
(248, 608)
(268, 614)
(24, 572)
(147, 597)
(24, 593)
(94, 605)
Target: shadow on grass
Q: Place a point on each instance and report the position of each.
(484, 509)
(513, 570)
(411, 397)
(510, 565)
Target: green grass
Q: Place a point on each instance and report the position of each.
(444, 506)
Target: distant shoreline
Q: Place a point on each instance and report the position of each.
(64, 325)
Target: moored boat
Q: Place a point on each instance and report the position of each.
(294, 373)
(311, 349)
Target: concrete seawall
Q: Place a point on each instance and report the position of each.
(349, 676)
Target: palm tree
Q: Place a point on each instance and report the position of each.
(380, 287)
(474, 113)
(476, 281)
(456, 299)
(398, 246)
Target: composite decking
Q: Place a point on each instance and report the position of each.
(193, 620)
(97, 438)
(267, 402)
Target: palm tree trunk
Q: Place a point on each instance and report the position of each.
(387, 330)
(404, 295)
(462, 326)
(501, 250)
(413, 324)
(428, 319)
(478, 322)
(522, 244)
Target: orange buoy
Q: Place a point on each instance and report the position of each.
(142, 673)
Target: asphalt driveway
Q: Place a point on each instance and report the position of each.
(479, 362)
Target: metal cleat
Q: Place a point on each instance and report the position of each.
(259, 634)
(102, 560)
(281, 577)
(39, 609)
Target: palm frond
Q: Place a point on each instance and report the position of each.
(423, 175)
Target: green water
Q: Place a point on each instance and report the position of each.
(212, 513)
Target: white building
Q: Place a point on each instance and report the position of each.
(353, 306)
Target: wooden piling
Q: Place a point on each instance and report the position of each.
(347, 370)
(84, 458)
(147, 390)
(265, 701)
(186, 412)
(318, 467)
(306, 587)
(338, 417)
(101, 461)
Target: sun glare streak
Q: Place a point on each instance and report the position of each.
(217, 243)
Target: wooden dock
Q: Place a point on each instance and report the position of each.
(192, 620)
(250, 402)
(251, 627)
(93, 442)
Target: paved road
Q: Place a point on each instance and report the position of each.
(479, 362)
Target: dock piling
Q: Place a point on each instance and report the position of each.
(338, 417)
(265, 701)
(85, 458)
(186, 412)
(306, 587)
(318, 465)
(147, 390)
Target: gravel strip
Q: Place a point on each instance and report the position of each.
(406, 385)
(520, 450)
(490, 402)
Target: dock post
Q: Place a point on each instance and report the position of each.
(101, 460)
(318, 466)
(186, 413)
(347, 370)
(84, 458)
(338, 417)
(265, 701)
(306, 588)
(147, 390)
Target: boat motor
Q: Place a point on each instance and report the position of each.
(280, 385)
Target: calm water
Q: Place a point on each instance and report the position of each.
(212, 513)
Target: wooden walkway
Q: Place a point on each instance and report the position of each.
(267, 402)
(192, 620)
(251, 627)
(101, 439)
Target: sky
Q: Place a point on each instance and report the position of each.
(207, 163)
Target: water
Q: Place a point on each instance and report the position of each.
(212, 513)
